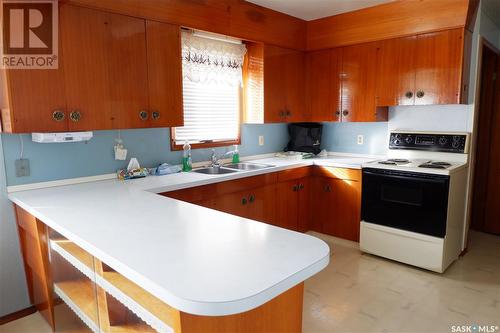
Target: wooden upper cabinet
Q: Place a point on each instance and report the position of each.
(438, 67)
(395, 71)
(422, 70)
(84, 38)
(323, 84)
(358, 98)
(164, 74)
(115, 71)
(284, 76)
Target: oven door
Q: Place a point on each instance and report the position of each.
(410, 201)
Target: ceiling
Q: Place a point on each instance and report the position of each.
(489, 7)
(314, 9)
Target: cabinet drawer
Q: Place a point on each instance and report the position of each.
(291, 174)
(338, 173)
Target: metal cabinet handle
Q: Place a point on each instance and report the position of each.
(295, 188)
(288, 113)
(301, 186)
(75, 116)
(155, 115)
(244, 201)
(345, 113)
(251, 199)
(143, 115)
(327, 188)
(58, 115)
(409, 94)
(282, 113)
(420, 94)
(337, 113)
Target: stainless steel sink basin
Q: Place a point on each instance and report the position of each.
(214, 171)
(247, 166)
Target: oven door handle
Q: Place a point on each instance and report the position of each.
(438, 179)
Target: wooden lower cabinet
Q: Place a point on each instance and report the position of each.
(337, 200)
(33, 241)
(256, 204)
(293, 204)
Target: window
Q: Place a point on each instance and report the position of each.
(212, 89)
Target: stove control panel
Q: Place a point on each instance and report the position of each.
(442, 142)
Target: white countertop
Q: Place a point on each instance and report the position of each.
(195, 259)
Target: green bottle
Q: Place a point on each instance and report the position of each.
(187, 163)
(236, 154)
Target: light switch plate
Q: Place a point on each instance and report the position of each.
(361, 139)
(22, 167)
(261, 140)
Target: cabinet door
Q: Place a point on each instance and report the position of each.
(287, 205)
(234, 203)
(438, 65)
(305, 205)
(46, 95)
(164, 74)
(128, 71)
(274, 82)
(323, 84)
(105, 68)
(339, 206)
(358, 82)
(262, 204)
(294, 85)
(396, 72)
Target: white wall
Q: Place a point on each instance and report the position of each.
(488, 29)
(13, 291)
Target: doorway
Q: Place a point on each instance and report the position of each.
(485, 215)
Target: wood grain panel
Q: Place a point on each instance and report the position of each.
(358, 97)
(438, 65)
(293, 83)
(287, 204)
(295, 173)
(165, 73)
(394, 19)
(250, 21)
(323, 69)
(229, 17)
(34, 248)
(274, 79)
(46, 90)
(85, 45)
(396, 71)
(337, 173)
(282, 314)
(128, 70)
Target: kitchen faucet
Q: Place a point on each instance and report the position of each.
(215, 159)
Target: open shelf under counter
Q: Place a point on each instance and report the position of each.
(79, 258)
(79, 295)
(154, 312)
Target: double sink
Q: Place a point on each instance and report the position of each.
(230, 168)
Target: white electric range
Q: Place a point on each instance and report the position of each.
(414, 202)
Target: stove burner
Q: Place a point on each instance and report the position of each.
(435, 165)
(394, 161)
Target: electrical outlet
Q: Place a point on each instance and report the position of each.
(261, 140)
(361, 139)
(22, 167)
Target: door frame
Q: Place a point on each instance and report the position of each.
(483, 44)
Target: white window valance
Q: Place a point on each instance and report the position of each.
(208, 60)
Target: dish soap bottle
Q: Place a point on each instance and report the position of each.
(187, 163)
(236, 154)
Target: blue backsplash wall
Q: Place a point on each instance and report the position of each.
(342, 137)
(53, 161)
(152, 146)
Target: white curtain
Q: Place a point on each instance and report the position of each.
(207, 60)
